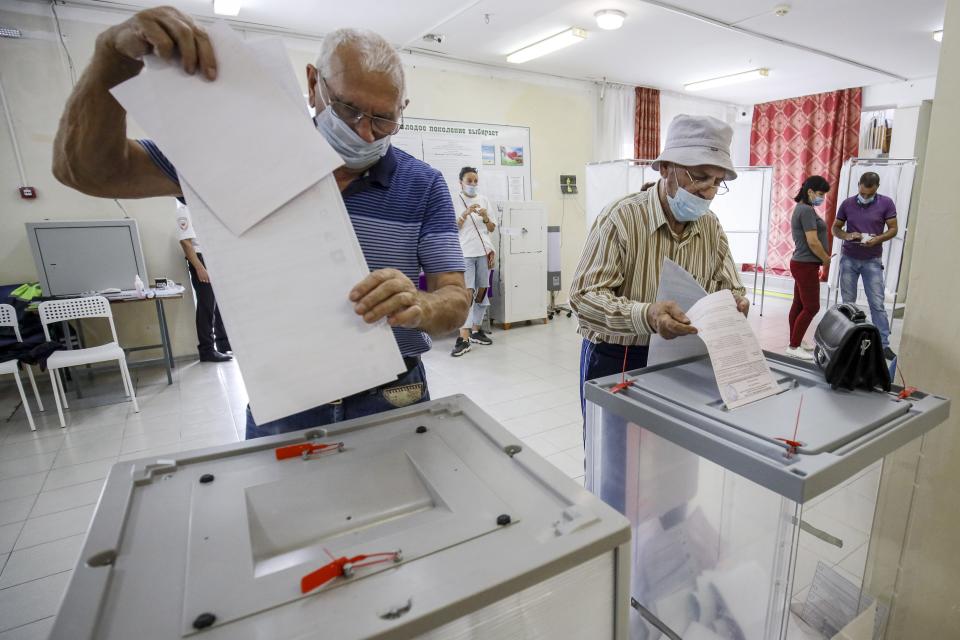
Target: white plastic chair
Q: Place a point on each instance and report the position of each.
(76, 309)
(8, 318)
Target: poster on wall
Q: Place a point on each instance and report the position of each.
(500, 153)
(489, 153)
(449, 155)
(511, 156)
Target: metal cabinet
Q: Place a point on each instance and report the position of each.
(520, 282)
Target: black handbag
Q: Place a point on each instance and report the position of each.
(849, 350)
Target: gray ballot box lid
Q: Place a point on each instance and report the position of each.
(841, 431)
(215, 542)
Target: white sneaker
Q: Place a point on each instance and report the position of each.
(799, 353)
(807, 346)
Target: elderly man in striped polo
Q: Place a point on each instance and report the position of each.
(400, 207)
(614, 289)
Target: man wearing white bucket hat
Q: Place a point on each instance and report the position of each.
(614, 289)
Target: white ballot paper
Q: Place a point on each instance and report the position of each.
(739, 365)
(278, 242)
(219, 134)
(678, 285)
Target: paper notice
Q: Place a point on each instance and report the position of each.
(515, 188)
(739, 365)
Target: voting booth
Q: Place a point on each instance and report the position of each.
(736, 532)
(896, 182)
(430, 521)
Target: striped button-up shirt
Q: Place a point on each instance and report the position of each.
(619, 271)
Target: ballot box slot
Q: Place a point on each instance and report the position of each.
(829, 419)
(257, 532)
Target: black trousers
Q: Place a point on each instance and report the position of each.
(210, 332)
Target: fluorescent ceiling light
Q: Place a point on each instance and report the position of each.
(938, 35)
(610, 19)
(725, 80)
(226, 7)
(556, 42)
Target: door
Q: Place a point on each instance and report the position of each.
(527, 225)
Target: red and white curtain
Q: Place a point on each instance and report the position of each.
(801, 137)
(646, 124)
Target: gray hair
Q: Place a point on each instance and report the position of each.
(376, 54)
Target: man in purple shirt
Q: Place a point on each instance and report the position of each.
(871, 220)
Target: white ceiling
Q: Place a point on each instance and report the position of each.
(656, 47)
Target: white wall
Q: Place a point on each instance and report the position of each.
(903, 141)
(674, 104)
(36, 79)
(925, 572)
(898, 94)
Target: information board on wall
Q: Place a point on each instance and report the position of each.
(501, 154)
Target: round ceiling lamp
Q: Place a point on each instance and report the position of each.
(610, 19)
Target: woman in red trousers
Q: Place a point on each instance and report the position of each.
(809, 256)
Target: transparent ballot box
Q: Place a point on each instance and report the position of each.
(738, 535)
(430, 521)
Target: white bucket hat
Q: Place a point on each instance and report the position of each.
(698, 140)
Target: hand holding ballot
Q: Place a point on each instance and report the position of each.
(387, 293)
(743, 304)
(717, 326)
(668, 320)
(166, 32)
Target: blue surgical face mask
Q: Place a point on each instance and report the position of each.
(685, 206)
(817, 201)
(356, 152)
(470, 190)
(865, 201)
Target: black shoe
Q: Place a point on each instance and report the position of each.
(224, 348)
(460, 348)
(214, 356)
(888, 353)
(480, 337)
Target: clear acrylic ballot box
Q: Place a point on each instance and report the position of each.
(738, 535)
(430, 521)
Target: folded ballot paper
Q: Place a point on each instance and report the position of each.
(278, 242)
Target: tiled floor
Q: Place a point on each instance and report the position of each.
(50, 480)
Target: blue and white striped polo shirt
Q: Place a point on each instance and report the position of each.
(403, 217)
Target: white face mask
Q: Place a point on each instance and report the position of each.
(686, 206)
(356, 152)
(470, 190)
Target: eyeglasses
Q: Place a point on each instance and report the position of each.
(352, 116)
(706, 182)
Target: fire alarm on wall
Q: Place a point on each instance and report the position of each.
(28, 193)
